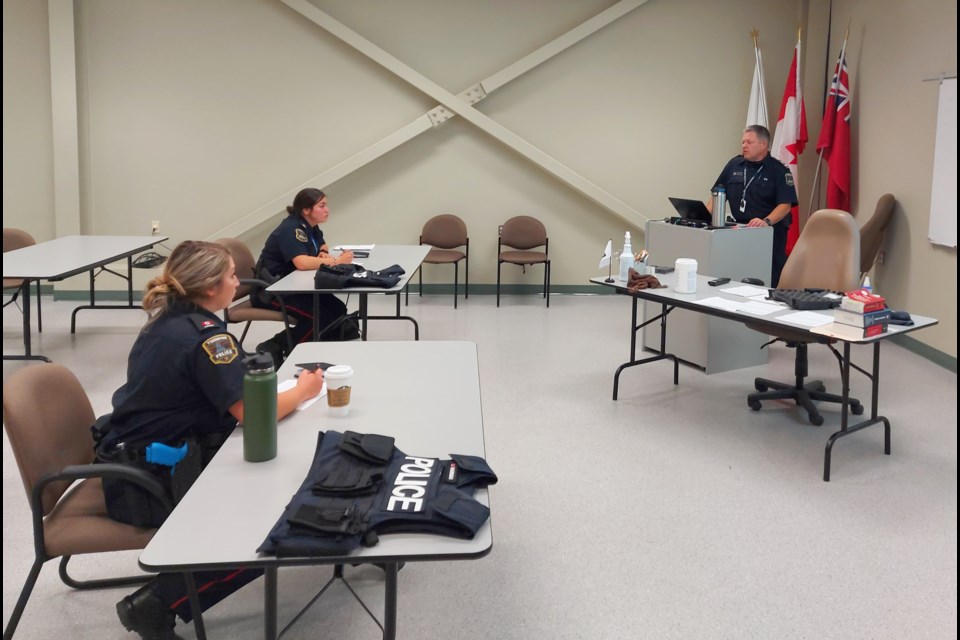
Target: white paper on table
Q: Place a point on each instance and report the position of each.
(290, 384)
(763, 298)
(721, 303)
(807, 318)
(758, 308)
(355, 247)
(746, 291)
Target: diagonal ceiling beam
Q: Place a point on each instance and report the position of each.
(438, 115)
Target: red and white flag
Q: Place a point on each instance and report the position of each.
(791, 136)
(834, 141)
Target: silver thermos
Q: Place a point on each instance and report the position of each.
(719, 207)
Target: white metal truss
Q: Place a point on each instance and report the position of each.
(452, 105)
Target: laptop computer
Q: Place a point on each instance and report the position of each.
(692, 210)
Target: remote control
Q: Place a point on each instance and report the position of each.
(718, 281)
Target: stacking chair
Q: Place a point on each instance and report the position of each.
(445, 234)
(521, 234)
(826, 256)
(18, 239)
(873, 232)
(242, 309)
(48, 417)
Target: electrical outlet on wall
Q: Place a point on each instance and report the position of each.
(154, 227)
(500, 230)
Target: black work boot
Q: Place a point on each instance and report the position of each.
(275, 347)
(144, 613)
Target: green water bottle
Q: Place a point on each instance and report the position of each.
(259, 409)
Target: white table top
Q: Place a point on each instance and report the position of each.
(425, 394)
(62, 257)
(408, 256)
(704, 291)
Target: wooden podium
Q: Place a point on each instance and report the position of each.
(713, 344)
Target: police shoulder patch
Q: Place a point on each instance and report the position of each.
(221, 349)
(300, 234)
(788, 177)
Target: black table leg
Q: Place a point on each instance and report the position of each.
(270, 603)
(27, 338)
(875, 418)
(390, 602)
(93, 291)
(195, 608)
(663, 355)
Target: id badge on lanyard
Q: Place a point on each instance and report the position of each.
(743, 198)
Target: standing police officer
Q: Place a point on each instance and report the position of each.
(760, 191)
(184, 384)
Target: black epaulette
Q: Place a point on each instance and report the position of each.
(203, 322)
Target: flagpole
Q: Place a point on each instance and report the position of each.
(816, 181)
(610, 265)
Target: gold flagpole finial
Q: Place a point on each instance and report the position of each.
(799, 32)
(754, 34)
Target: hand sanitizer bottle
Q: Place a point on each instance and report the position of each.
(626, 258)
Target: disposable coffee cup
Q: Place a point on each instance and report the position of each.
(339, 379)
(686, 275)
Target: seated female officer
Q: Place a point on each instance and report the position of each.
(298, 244)
(184, 384)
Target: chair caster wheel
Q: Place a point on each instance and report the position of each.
(821, 387)
(856, 409)
(754, 404)
(761, 387)
(815, 419)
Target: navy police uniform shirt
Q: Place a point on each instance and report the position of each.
(183, 374)
(293, 237)
(764, 185)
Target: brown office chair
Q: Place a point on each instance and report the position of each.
(826, 256)
(873, 232)
(48, 417)
(445, 233)
(18, 239)
(242, 310)
(523, 233)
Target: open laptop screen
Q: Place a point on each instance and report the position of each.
(691, 209)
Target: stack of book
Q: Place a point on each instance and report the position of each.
(867, 313)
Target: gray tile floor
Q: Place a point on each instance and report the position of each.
(673, 513)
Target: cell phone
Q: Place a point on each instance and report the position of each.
(718, 281)
(663, 269)
(313, 366)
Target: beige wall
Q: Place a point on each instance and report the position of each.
(198, 113)
(27, 119)
(893, 46)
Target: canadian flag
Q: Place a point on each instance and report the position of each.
(791, 136)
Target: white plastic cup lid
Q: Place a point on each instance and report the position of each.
(338, 372)
(685, 263)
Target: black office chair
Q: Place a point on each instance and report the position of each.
(826, 256)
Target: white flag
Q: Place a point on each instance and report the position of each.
(607, 254)
(757, 107)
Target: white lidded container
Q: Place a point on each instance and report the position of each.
(686, 272)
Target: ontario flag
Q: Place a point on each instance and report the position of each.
(791, 136)
(834, 141)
